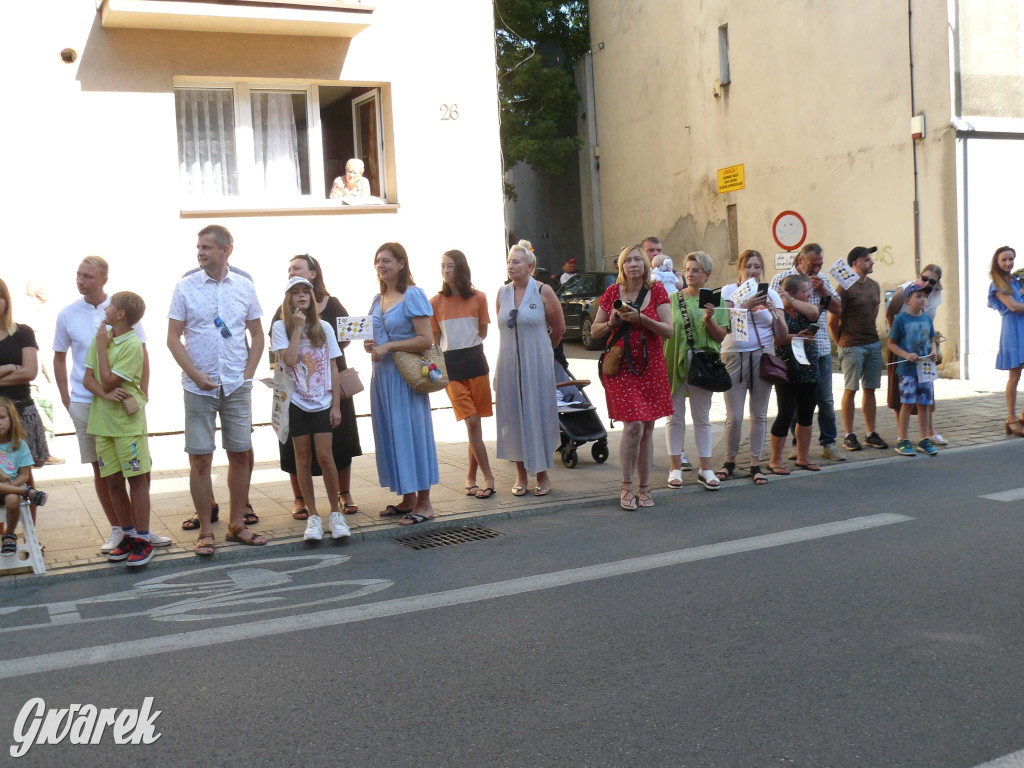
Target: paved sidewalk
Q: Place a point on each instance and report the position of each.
(72, 525)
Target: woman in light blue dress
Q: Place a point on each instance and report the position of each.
(1005, 296)
(402, 429)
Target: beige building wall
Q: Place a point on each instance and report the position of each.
(91, 160)
(818, 111)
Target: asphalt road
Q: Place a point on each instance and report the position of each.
(869, 616)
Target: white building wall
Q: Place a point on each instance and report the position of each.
(91, 159)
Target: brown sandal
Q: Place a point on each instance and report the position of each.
(205, 550)
(300, 514)
(254, 539)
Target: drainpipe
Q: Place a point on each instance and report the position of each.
(913, 142)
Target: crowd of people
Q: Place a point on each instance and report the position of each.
(741, 342)
(669, 340)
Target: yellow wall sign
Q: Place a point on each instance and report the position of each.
(730, 179)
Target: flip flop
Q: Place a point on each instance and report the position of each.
(471, 490)
(392, 511)
(518, 490)
(254, 540)
(414, 519)
(300, 514)
(486, 493)
(810, 466)
(779, 470)
(250, 517)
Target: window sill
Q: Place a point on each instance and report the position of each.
(208, 208)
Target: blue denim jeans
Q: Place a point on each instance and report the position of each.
(826, 410)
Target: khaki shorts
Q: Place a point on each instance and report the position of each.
(86, 442)
(127, 455)
(470, 396)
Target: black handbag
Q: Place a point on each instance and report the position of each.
(705, 369)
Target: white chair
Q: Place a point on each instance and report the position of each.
(29, 554)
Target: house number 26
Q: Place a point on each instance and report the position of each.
(449, 111)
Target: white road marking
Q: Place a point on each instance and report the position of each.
(1014, 495)
(1016, 760)
(189, 641)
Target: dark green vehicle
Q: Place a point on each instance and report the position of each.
(579, 297)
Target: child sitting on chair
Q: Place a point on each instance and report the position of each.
(15, 462)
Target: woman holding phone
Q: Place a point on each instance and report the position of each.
(742, 358)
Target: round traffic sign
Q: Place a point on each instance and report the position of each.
(789, 230)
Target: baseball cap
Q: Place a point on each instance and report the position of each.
(914, 288)
(859, 251)
(293, 281)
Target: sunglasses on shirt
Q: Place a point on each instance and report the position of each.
(512, 315)
(224, 330)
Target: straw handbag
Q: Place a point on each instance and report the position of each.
(425, 371)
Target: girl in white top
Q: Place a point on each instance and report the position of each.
(743, 359)
(307, 346)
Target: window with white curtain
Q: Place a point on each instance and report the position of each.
(206, 142)
(276, 142)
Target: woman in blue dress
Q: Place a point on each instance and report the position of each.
(1004, 295)
(402, 429)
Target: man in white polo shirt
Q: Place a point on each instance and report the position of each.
(211, 312)
(76, 328)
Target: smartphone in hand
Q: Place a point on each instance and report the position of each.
(824, 302)
(708, 296)
(762, 287)
(813, 327)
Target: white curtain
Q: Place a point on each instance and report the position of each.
(206, 142)
(276, 143)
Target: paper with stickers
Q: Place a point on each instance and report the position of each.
(927, 370)
(744, 292)
(843, 273)
(799, 353)
(354, 328)
(739, 320)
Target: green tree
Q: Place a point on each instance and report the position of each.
(538, 44)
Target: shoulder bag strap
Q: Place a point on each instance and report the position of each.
(686, 322)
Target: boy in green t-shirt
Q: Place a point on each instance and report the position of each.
(117, 417)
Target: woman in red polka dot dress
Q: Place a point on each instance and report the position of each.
(638, 394)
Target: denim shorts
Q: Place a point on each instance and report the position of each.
(235, 420)
(861, 365)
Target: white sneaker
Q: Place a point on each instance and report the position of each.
(939, 439)
(685, 462)
(160, 541)
(339, 530)
(314, 529)
(116, 534)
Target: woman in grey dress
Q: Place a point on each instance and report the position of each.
(524, 381)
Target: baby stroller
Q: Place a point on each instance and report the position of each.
(578, 422)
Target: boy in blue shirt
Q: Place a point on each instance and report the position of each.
(912, 338)
(117, 417)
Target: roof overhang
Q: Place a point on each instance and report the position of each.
(307, 18)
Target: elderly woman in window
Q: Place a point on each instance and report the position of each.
(353, 183)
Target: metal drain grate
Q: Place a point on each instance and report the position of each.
(447, 537)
